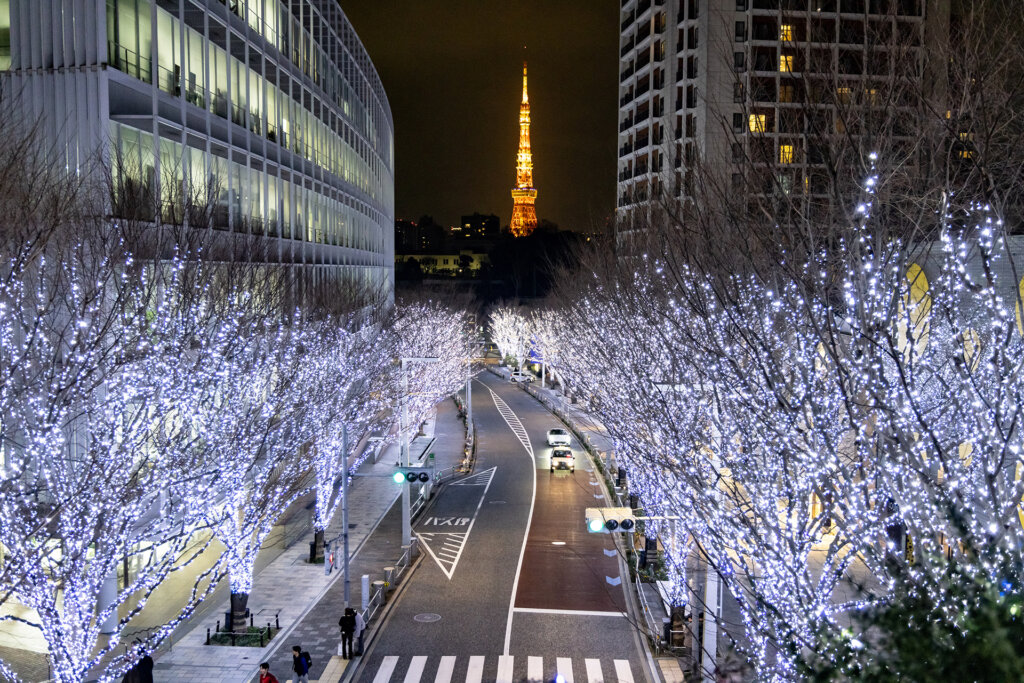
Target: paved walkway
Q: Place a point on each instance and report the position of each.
(307, 602)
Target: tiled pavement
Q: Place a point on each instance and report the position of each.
(308, 603)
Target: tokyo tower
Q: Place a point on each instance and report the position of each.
(524, 195)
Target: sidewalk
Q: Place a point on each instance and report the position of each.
(306, 602)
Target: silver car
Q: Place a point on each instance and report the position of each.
(558, 437)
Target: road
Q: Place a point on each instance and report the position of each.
(512, 587)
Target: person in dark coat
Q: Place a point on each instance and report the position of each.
(142, 672)
(300, 664)
(348, 629)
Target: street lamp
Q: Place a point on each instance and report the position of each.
(404, 455)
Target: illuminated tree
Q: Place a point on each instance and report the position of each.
(344, 387)
(828, 439)
(427, 329)
(252, 432)
(98, 355)
(510, 331)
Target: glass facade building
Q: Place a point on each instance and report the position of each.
(269, 112)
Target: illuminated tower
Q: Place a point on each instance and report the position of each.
(524, 215)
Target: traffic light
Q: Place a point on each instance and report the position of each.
(605, 520)
(411, 475)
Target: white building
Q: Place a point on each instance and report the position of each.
(706, 80)
(271, 110)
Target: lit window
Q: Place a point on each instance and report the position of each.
(786, 32)
(843, 95)
(786, 63)
(785, 154)
(787, 93)
(965, 140)
(758, 123)
(871, 95)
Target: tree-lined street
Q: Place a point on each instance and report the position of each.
(558, 610)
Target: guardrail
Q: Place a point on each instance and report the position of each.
(380, 589)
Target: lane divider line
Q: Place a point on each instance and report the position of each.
(517, 428)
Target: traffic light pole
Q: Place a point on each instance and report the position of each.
(404, 456)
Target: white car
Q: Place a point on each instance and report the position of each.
(520, 376)
(562, 458)
(558, 437)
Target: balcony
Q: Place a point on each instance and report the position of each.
(626, 125)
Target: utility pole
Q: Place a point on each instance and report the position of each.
(344, 509)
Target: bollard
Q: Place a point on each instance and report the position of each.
(364, 585)
(232, 639)
(277, 623)
(218, 626)
(378, 587)
(389, 575)
(251, 619)
(207, 636)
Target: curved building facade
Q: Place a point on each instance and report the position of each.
(269, 113)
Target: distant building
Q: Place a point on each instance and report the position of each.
(412, 237)
(454, 262)
(478, 226)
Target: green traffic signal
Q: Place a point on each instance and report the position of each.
(596, 525)
(399, 477)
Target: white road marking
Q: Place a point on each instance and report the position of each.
(570, 612)
(445, 670)
(475, 674)
(415, 671)
(456, 539)
(387, 667)
(535, 669)
(564, 667)
(511, 419)
(594, 673)
(505, 669)
(623, 671)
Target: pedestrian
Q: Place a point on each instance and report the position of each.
(360, 627)
(348, 628)
(300, 664)
(265, 675)
(142, 672)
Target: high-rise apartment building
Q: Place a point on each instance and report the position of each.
(270, 110)
(703, 83)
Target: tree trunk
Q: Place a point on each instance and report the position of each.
(318, 546)
(239, 618)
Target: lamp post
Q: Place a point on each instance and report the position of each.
(404, 456)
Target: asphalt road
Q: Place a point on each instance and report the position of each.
(491, 602)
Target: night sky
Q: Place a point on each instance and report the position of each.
(452, 70)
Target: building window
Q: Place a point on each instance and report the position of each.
(737, 91)
(843, 95)
(785, 154)
(741, 31)
(786, 33)
(739, 61)
(737, 151)
(737, 125)
(741, 5)
(785, 63)
(757, 123)
(737, 181)
(787, 93)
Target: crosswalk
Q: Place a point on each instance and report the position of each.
(501, 669)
